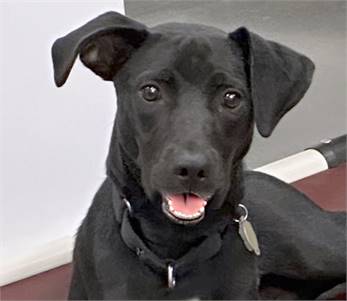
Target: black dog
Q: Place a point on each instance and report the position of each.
(162, 225)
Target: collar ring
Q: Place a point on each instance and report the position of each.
(128, 205)
(170, 276)
(244, 216)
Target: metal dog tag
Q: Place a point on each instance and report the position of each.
(247, 233)
(248, 236)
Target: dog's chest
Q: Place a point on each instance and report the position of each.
(123, 275)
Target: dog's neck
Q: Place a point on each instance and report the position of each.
(165, 238)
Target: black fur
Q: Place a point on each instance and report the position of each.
(190, 128)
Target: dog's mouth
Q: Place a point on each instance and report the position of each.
(185, 208)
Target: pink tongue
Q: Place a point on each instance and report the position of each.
(190, 205)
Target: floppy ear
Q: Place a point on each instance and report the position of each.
(278, 77)
(104, 44)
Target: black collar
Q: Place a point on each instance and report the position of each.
(206, 250)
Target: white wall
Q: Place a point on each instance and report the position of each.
(53, 141)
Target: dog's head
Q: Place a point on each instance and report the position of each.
(187, 99)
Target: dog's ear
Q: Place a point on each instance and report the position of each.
(278, 77)
(104, 44)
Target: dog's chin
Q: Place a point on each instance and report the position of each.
(184, 208)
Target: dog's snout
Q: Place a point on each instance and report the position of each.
(190, 166)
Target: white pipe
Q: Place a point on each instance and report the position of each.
(296, 167)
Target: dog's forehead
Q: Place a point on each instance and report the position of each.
(193, 57)
(193, 51)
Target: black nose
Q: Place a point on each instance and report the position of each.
(190, 166)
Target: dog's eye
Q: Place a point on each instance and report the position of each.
(232, 99)
(150, 93)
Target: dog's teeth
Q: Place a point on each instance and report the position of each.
(205, 203)
(186, 216)
(169, 202)
(182, 215)
(201, 210)
(178, 214)
(171, 209)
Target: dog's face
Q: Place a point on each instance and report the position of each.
(187, 98)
